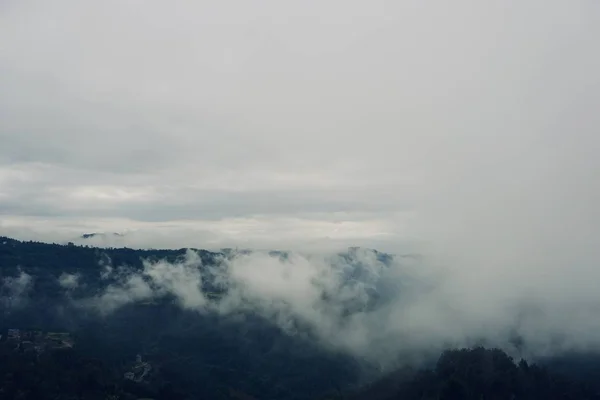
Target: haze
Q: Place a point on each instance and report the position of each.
(466, 132)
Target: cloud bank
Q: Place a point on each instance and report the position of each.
(381, 309)
(286, 125)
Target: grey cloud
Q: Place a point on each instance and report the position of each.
(385, 313)
(377, 95)
(134, 288)
(312, 291)
(182, 280)
(68, 281)
(14, 289)
(201, 205)
(325, 234)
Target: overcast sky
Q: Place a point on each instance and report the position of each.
(283, 124)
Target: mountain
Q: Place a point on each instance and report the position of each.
(52, 287)
(87, 322)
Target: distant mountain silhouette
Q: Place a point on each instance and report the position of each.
(95, 234)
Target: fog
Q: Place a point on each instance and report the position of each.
(14, 290)
(464, 132)
(383, 311)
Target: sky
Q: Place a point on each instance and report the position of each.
(295, 124)
(464, 131)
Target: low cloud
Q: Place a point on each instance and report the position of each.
(181, 280)
(14, 290)
(131, 289)
(382, 309)
(68, 281)
(316, 232)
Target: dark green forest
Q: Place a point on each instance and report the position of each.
(458, 374)
(157, 350)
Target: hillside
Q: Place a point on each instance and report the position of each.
(52, 287)
(87, 322)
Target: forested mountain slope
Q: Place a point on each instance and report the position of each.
(85, 322)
